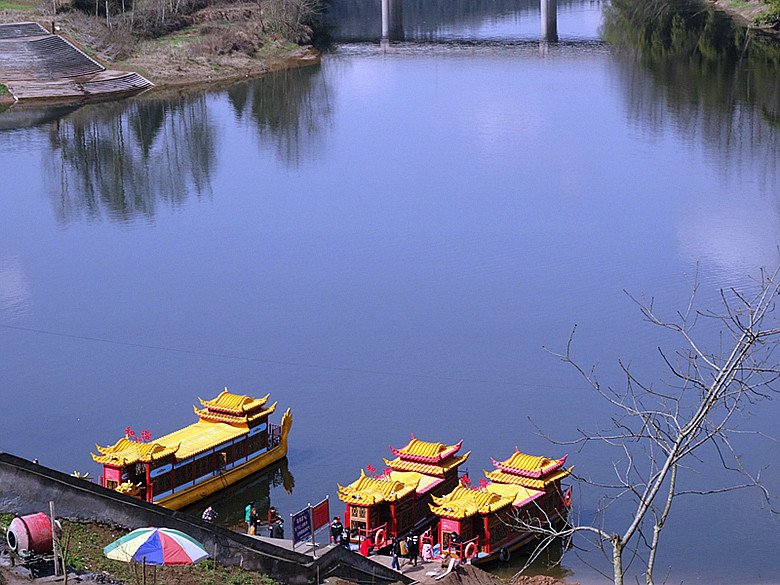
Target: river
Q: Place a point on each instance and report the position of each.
(388, 241)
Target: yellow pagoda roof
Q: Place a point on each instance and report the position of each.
(234, 403)
(228, 420)
(201, 436)
(440, 469)
(520, 495)
(529, 465)
(425, 452)
(207, 415)
(126, 452)
(499, 476)
(464, 502)
(422, 481)
(367, 491)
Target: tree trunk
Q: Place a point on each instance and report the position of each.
(617, 559)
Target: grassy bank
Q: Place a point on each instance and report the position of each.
(83, 546)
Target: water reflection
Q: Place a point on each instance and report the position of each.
(120, 160)
(230, 503)
(422, 20)
(704, 69)
(289, 109)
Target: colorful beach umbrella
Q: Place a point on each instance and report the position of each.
(160, 546)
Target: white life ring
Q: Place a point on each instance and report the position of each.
(381, 538)
(471, 551)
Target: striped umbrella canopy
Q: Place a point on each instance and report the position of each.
(160, 546)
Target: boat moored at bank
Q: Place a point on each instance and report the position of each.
(487, 523)
(398, 500)
(231, 440)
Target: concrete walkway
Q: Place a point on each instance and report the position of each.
(421, 573)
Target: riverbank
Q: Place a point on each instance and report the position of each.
(745, 12)
(222, 42)
(216, 43)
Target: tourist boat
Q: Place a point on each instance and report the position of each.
(398, 501)
(487, 519)
(231, 440)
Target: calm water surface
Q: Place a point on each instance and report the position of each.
(385, 243)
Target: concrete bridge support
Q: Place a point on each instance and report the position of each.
(392, 20)
(549, 32)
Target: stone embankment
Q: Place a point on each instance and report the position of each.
(37, 65)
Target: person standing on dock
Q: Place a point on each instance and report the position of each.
(366, 546)
(413, 546)
(247, 516)
(395, 552)
(336, 528)
(277, 528)
(209, 514)
(272, 518)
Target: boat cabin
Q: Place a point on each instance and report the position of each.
(397, 501)
(231, 430)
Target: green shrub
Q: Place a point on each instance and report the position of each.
(5, 519)
(771, 17)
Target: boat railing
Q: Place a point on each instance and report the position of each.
(363, 533)
(459, 549)
(426, 537)
(274, 435)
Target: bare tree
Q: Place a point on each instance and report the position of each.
(658, 431)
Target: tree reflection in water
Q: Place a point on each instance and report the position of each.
(120, 160)
(713, 76)
(290, 109)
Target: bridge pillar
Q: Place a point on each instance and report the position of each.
(549, 20)
(392, 20)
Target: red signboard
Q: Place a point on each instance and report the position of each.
(111, 474)
(449, 525)
(320, 514)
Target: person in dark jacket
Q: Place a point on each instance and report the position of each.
(336, 528)
(413, 546)
(344, 538)
(277, 528)
(395, 552)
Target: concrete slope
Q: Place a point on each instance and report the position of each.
(37, 65)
